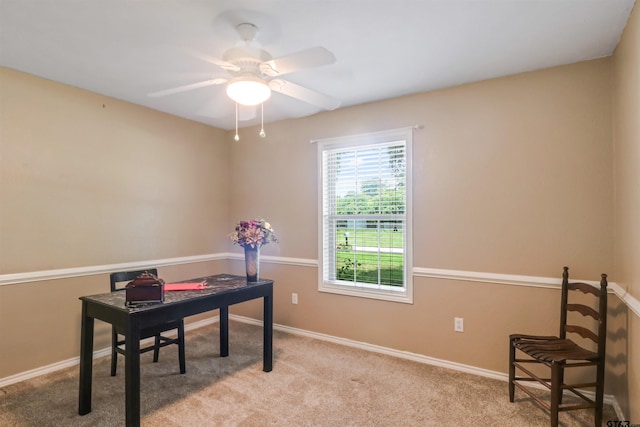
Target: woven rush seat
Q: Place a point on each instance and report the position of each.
(552, 350)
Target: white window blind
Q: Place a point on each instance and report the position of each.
(364, 218)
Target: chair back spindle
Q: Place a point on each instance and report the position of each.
(118, 345)
(127, 276)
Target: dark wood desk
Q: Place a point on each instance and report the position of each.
(220, 292)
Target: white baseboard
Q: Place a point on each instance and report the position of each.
(609, 399)
(22, 376)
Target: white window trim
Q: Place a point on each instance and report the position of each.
(392, 294)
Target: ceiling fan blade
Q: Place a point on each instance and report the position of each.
(302, 93)
(308, 58)
(185, 88)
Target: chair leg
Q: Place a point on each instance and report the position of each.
(156, 349)
(512, 370)
(599, 394)
(556, 392)
(561, 382)
(181, 356)
(114, 353)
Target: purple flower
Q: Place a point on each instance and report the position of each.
(254, 233)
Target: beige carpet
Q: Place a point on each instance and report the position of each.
(313, 383)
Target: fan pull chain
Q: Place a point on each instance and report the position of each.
(236, 138)
(262, 134)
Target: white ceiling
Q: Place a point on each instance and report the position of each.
(127, 49)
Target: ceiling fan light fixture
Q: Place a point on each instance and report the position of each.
(248, 91)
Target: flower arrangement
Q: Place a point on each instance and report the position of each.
(253, 233)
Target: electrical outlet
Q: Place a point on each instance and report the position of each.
(294, 298)
(458, 324)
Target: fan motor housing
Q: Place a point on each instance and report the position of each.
(246, 53)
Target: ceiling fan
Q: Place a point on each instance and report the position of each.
(253, 73)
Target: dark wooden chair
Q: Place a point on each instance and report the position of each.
(560, 353)
(117, 344)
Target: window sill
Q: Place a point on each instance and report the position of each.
(404, 296)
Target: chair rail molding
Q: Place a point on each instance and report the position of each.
(517, 280)
(434, 273)
(62, 273)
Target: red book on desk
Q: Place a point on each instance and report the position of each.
(193, 286)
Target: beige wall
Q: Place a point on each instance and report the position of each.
(87, 180)
(511, 176)
(122, 182)
(626, 126)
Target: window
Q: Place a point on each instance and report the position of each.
(365, 227)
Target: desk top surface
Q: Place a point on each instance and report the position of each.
(215, 285)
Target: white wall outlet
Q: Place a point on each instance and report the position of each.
(294, 298)
(458, 324)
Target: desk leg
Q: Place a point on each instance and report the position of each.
(132, 373)
(267, 356)
(86, 362)
(224, 331)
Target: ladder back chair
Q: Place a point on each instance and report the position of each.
(559, 353)
(118, 343)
